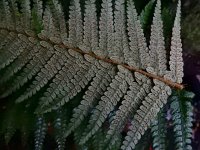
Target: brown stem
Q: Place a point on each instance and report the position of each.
(168, 82)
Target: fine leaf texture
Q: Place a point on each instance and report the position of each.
(158, 129)
(91, 67)
(182, 112)
(176, 60)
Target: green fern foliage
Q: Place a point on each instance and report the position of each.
(159, 131)
(146, 13)
(182, 112)
(90, 72)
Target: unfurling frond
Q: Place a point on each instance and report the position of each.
(91, 68)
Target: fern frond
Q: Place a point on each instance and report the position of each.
(69, 87)
(158, 130)
(95, 90)
(132, 100)
(32, 68)
(145, 14)
(182, 119)
(59, 20)
(100, 142)
(109, 100)
(15, 14)
(106, 27)
(21, 60)
(120, 38)
(176, 60)
(47, 73)
(13, 50)
(50, 30)
(10, 131)
(8, 127)
(90, 38)
(157, 43)
(138, 54)
(26, 15)
(101, 55)
(145, 141)
(147, 113)
(75, 24)
(78, 132)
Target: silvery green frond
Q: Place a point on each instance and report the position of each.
(157, 52)
(50, 30)
(75, 24)
(120, 38)
(91, 69)
(48, 72)
(8, 128)
(138, 53)
(176, 60)
(95, 90)
(13, 50)
(32, 67)
(59, 18)
(18, 63)
(90, 37)
(132, 100)
(146, 114)
(106, 29)
(15, 15)
(68, 89)
(2, 15)
(109, 100)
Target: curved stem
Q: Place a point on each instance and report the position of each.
(134, 69)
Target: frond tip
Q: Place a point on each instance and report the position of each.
(176, 60)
